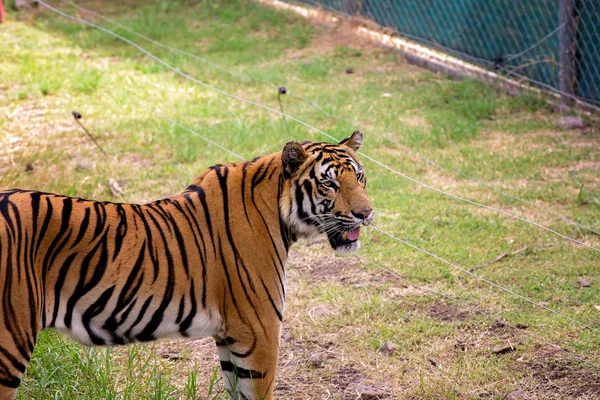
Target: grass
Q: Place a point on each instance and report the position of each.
(340, 309)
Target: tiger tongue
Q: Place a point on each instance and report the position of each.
(353, 234)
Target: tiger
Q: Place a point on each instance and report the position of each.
(208, 262)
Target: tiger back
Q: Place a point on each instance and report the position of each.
(208, 262)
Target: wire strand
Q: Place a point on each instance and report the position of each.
(537, 44)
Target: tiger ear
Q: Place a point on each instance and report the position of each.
(292, 157)
(353, 141)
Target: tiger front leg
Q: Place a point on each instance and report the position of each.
(249, 364)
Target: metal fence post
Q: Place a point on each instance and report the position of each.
(567, 50)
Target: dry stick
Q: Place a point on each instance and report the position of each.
(504, 255)
(77, 117)
(282, 90)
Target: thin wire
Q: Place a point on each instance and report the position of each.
(193, 132)
(481, 278)
(178, 71)
(480, 311)
(479, 204)
(422, 250)
(316, 105)
(537, 44)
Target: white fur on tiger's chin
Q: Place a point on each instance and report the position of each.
(349, 247)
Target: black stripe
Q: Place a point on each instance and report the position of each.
(98, 269)
(83, 226)
(181, 310)
(61, 279)
(202, 254)
(100, 218)
(241, 373)
(16, 364)
(127, 295)
(138, 210)
(121, 230)
(180, 243)
(141, 315)
(12, 382)
(96, 308)
(187, 322)
(154, 251)
(44, 228)
(202, 197)
(272, 302)
(148, 331)
(243, 191)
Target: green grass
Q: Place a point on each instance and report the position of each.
(51, 66)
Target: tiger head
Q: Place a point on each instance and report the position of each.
(326, 191)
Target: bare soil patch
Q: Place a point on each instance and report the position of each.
(557, 377)
(344, 270)
(448, 313)
(340, 34)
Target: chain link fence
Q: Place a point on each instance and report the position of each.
(551, 43)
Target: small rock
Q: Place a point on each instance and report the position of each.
(432, 361)
(171, 355)
(367, 392)
(462, 346)
(29, 167)
(285, 335)
(349, 70)
(571, 122)
(81, 166)
(584, 282)
(388, 349)
(515, 394)
(507, 348)
(316, 361)
(114, 187)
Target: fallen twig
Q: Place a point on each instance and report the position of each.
(77, 117)
(504, 255)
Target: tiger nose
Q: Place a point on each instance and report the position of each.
(364, 214)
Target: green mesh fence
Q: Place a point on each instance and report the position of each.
(517, 37)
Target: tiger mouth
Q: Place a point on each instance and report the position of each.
(344, 238)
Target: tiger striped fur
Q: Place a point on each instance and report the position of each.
(209, 262)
